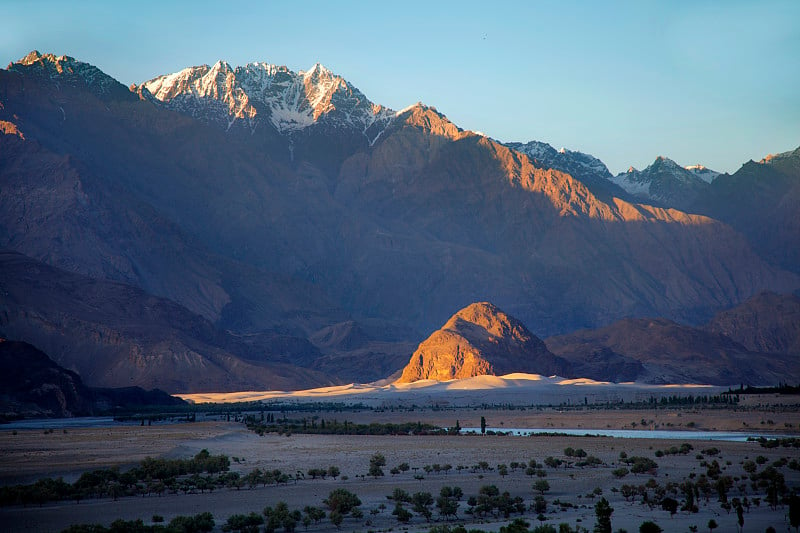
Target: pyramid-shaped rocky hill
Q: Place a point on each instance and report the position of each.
(481, 340)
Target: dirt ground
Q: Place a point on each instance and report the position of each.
(30, 454)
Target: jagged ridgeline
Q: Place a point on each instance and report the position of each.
(267, 208)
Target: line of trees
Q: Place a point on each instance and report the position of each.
(334, 427)
(201, 473)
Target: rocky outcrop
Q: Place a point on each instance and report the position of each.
(481, 340)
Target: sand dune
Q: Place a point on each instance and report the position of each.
(514, 388)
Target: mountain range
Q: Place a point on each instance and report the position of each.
(277, 229)
(755, 342)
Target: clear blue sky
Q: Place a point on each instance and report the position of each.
(716, 83)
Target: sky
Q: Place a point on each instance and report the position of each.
(710, 82)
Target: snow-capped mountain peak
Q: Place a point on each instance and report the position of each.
(663, 181)
(575, 163)
(261, 92)
(705, 174)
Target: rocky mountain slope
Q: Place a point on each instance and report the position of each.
(33, 385)
(702, 172)
(767, 322)
(481, 340)
(584, 167)
(664, 182)
(115, 335)
(277, 204)
(754, 343)
(761, 200)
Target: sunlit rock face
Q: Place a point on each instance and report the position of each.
(481, 340)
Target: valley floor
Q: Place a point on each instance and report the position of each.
(28, 454)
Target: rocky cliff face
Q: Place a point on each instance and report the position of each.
(761, 200)
(767, 322)
(481, 340)
(662, 351)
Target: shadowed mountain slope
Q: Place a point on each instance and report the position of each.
(33, 385)
(767, 322)
(115, 335)
(762, 201)
(662, 351)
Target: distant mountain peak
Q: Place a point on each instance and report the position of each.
(262, 92)
(664, 181)
(586, 168)
(67, 69)
(428, 119)
(665, 162)
(702, 172)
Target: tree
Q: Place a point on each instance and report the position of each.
(650, 527)
(422, 502)
(517, 526)
(483, 425)
(375, 464)
(342, 501)
(620, 472)
(539, 505)
(794, 511)
(200, 522)
(314, 513)
(603, 512)
(740, 516)
(541, 486)
(712, 525)
(333, 471)
(279, 517)
(670, 505)
(242, 523)
(402, 514)
(336, 518)
(552, 462)
(447, 502)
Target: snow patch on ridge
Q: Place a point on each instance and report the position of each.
(705, 174)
